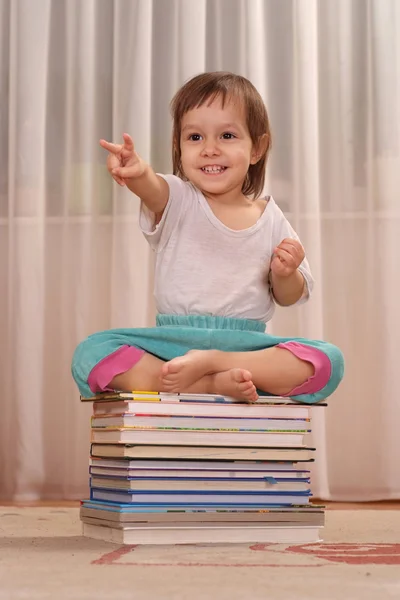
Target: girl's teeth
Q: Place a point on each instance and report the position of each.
(213, 169)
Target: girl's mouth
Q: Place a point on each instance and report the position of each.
(213, 169)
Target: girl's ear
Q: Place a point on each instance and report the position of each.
(259, 149)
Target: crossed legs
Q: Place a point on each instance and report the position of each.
(274, 370)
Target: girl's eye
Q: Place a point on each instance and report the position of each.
(194, 137)
(228, 136)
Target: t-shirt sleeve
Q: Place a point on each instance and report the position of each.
(281, 230)
(158, 234)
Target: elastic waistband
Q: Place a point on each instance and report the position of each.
(209, 322)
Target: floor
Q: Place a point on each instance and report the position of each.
(43, 556)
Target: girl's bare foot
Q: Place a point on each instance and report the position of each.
(236, 383)
(182, 372)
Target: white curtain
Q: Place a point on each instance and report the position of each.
(73, 262)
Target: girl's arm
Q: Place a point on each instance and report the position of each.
(290, 277)
(287, 289)
(128, 168)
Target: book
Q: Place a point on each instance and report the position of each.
(204, 452)
(193, 468)
(136, 419)
(117, 406)
(205, 497)
(312, 520)
(183, 397)
(130, 514)
(187, 464)
(200, 484)
(222, 533)
(167, 508)
(197, 473)
(194, 437)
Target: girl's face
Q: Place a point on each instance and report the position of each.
(216, 148)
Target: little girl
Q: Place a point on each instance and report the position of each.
(224, 257)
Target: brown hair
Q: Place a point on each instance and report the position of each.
(207, 87)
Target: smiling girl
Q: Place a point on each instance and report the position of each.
(225, 255)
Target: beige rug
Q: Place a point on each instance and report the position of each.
(42, 555)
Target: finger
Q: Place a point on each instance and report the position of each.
(116, 174)
(279, 268)
(128, 142)
(292, 249)
(114, 170)
(125, 172)
(278, 262)
(119, 180)
(113, 162)
(127, 152)
(285, 257)
(113, 148)
(292, 241)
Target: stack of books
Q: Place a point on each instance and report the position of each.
(189, 468)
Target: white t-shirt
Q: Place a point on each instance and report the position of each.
(205, 268)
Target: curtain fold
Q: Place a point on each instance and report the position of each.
(73, 262)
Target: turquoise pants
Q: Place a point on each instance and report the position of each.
(176, 335)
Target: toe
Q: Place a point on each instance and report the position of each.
(169, 380)
(250, 392)
(240, 375)
(174, 366)
(247, 376)
(169, 386)
(247, 386)
(165, 370)
(254, 396)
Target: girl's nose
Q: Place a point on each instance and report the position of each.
(210, 148)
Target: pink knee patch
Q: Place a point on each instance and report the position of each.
(116, 363)
(319, 360)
